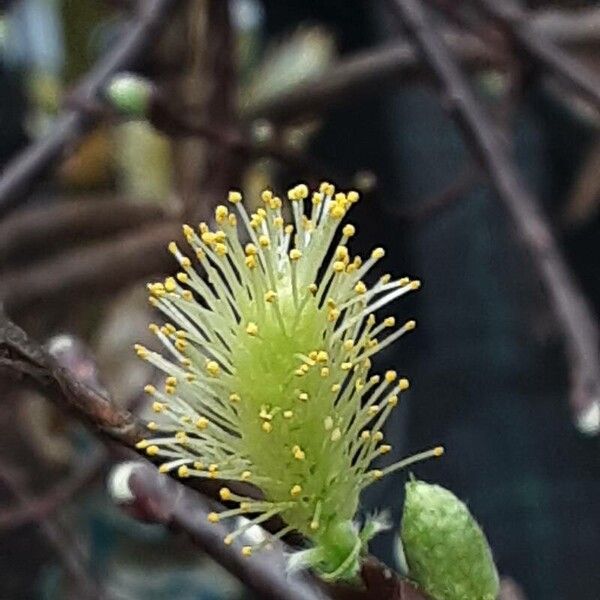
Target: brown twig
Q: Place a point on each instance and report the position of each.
(541, 50)
(369, 71)
(37, 229)
(24, 172)
(99, 268)
(578, 323)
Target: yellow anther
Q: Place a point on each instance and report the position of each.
(267, 427)
(389, 321)
(360, 288)
(252, 329)
(325, 372)
(141, 351)
(164, 468)
(374, 380)
(213, 517)
(234, 197)
(295, 491)
(336, 387)
(376, 474)
(150, 389)
(328, 423)
(333, 315)
(299, 373)
(278, 222)
(221, 213)
(303, 396)
(183, 277)
(385, 449)
(187, 295)
(353, 196)
(181, 437)
(181, 345)
(438, 451)
(266, 196)
(264, 241)
(208, 237)
(220, 249)
(245, 506)
(225, 494)
(348, 344)
(250, 250)
(338, 266)
(365, 435)
(377, 436)
(247, 551)
(314, 525)
(312, 288)
(202, 423)
(377, 253)
(403, 384)
(349, 230)
(415, 285)
(228, 540)
(142, 444)
(171, 380)
(288, 414)
(183, 471)
(288, 229)
(250, 262)
(213, 368)
(371, 320)
(198, 465)
(154, 328)
(322, 356)
(390, 376)
(158, 407)
(213, 468)
(392, 401)
(152, 450)
(336, 434)
(270, 296)
(337, 211)
(246, 475)
(152, 426)
(232, 219)
(295, 254)
(317, 198)
(173, 248)
(203, 227)
(346, 366)
(403, 281)
(299, 454)
(372, 343)
(233, 398)
(185, 262)
(313, 355)
(341, 253)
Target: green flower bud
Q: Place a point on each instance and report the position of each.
(129, 94)
(446, 551)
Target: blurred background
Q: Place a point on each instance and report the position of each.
(273, 93)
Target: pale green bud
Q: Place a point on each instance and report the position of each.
(446, 551)
(129, 94)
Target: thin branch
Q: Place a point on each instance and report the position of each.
(542, 50)
(37, 229)
(578, 323)
(367, 72)
(24, 172)
(100, 268)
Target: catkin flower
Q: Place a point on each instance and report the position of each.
(268, 377)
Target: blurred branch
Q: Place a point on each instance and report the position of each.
(366, 72)
(24, 172)
(67, 550)
(102, 267)
(541, 50)
(38, 508)
(578, 323)
(36, 229)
